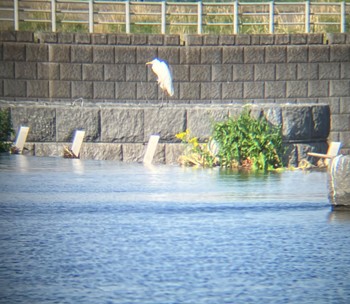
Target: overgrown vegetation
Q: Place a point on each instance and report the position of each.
(244, 142)
(5, 130)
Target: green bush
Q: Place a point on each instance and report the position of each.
(5, 130)
(249, 142)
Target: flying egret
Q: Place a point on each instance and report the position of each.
(165, 80)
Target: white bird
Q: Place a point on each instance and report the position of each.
(165, 80)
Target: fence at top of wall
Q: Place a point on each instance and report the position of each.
(161, 17)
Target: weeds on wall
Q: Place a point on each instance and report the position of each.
(5, 130)
(245, 142)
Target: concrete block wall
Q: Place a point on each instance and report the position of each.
(60, 68)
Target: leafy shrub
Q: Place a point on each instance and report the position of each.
(249, 142)
(5, 130)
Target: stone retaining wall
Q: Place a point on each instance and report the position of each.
(120, 132)
(64, 68)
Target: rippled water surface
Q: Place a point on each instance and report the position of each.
(75, 231)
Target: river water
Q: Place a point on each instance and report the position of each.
(74, 231)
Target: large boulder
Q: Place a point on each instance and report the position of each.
(339, 182)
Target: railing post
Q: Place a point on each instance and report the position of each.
(16, 15)
(235, 18)
(127, 16)
(199, 17)
(307, 17)
(91, 16)
(342, 17)
(53, 15)
(163, 26)
(272, 18)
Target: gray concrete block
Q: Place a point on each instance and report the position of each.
(273, 114)
(200, 121)
(149, 91)
(1, 51)
(276, 54)
(14, 51)
(82, 38)
(315, 38)
(70, 71)
(211, 55)
(173, 152)
(139, 39)
(221, 72)
(344, 105)
(123, 39)
(275, 89)
(48, 150)
(82, 89)
(169, 54)
(320, 121)
(340, 88)
(114, 72)
(38, 88)
(180, 72)
(45, 37)
(345, 70)
(125, 54)
(136, 72)
(253, 89)
(104, 90)
(264, 72)
(318, 88)
(8, 36)
(297, 53)
(37, 52)
(334, 104)
(232, 54)
(155, 39)
(14, 88)
(112, 39)
(255, 40)
(133, 153)
(93, 72)
(296, 89)
(99, 38)
(190, 55)
(59, 53)
(171, 40)
(282, 39)
(329, 70)
(227, 39)
(7, 70)
(65, 38)
(165, 122)
(340, 122)
(103, 54)
(340, 53)
(60, 89)
(122, 125)
(125, 90)
(193, 40)
(297, 122)
(25, 70)
(69, 119)
(232, 90)
(189, 91)
(307, 71)
(243, 39)
(298, 39)
(40, 120)
(243, 72)
(146, 54)
(82, 53)
(254, 54)
(267, 39)
(336, 38)
(1, 88)
(210, 91)
(319, 53)
(200, 72)
(210, 39)
(286, 71)
(101, 151)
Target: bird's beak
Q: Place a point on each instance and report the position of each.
(148, 62)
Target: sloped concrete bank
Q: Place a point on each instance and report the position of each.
(121, 132)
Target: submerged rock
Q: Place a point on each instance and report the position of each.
(339, 182)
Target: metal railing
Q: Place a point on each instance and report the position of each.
(176, 17)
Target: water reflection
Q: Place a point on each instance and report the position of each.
(339, 216)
